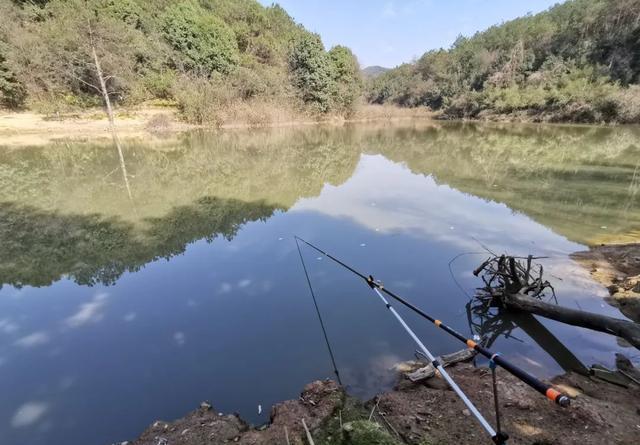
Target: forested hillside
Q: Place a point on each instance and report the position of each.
(203, 55)
(578, 61)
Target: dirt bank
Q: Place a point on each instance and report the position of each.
(617, 267)
(28, 129)
(423, 414)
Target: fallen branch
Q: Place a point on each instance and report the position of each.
(515, 285)
(426, 372)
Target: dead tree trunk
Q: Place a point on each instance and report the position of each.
(518, 285)
(628, 330)
(107, 102)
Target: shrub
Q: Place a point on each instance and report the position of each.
(312, 72)
(202, 100)
(205, 41)
(628, 104)
(12, 93)
(348, 83)
(160, 84)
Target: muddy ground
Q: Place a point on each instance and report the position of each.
(426, 413)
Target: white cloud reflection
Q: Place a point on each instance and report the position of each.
(28, 414)
(7, 326)
(416, 205)
(34, 339)
(90, 312)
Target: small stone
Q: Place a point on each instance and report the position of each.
(466, 412)
(205, 405)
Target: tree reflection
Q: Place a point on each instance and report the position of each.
(38, 247)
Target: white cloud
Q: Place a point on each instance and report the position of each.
(88, 312)
(131, 316)
(28, 414)
(179, 338)
(35, 339)
(225, 288)
(7, 326)
(244, 283)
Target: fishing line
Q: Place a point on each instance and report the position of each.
(527, 378)
(315, 303)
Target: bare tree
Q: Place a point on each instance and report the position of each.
(107, 102)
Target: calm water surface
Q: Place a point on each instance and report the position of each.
(115, 312)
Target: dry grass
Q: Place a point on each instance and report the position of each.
(369, 112)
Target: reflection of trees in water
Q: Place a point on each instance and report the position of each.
(572, 179)
(38, 247)
(550, 173)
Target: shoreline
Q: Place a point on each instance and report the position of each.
(19, 129)
(423, 414)
(617, 268)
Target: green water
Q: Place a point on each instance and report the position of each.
(192, 289)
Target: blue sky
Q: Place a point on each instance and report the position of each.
(390, 32)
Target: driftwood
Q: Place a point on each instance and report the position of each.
(426, 372)
(514, 284)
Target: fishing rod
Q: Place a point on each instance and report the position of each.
(498, 438)
(521, 374)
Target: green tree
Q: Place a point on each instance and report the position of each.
(206, 43)
(348, 83)
(312, 72)
(12, 92)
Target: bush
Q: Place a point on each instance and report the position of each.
(202, 100)
(312, 72)
(348, 83)
(12, 93)
(206, 42)
(627, 102)
(160, 84)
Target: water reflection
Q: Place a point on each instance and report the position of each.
(198, 294)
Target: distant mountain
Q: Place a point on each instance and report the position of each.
(371, 72)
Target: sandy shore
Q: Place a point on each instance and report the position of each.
(24, 129)
(28, 129)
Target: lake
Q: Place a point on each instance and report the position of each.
(118, 311)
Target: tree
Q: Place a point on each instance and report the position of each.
(312, 72)
(348, 83)
(205, 41)
(12, 92)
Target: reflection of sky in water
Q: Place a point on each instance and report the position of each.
(232, 321)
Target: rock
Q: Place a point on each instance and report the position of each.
(205, 405)
(466, 412)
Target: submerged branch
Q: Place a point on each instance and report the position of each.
(517, 285)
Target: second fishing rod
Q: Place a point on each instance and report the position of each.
(527, 378)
